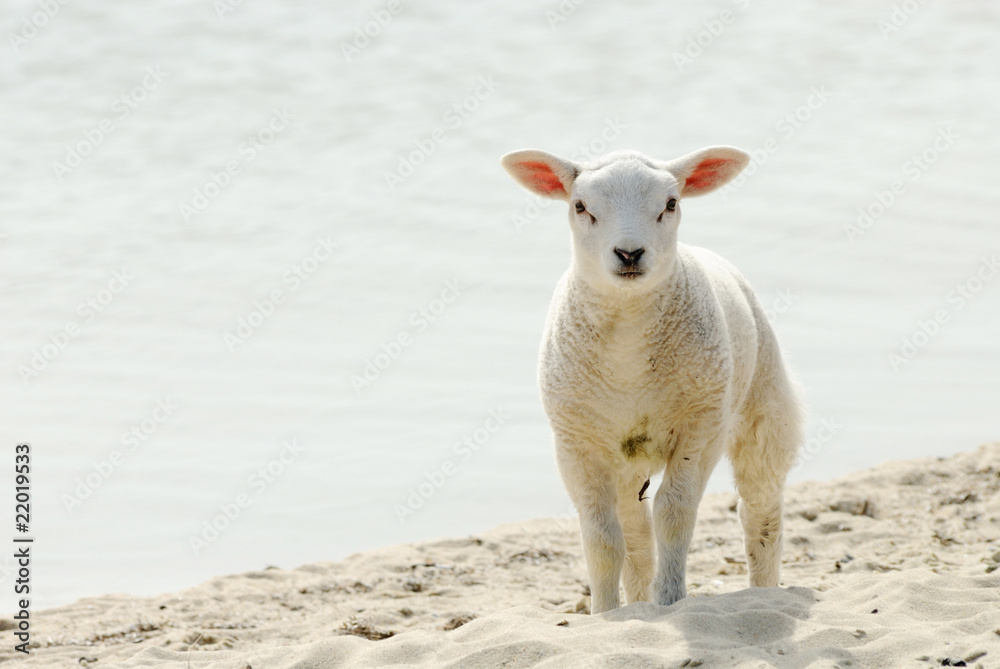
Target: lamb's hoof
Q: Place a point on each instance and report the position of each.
(668, 598)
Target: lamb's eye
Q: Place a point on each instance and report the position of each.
(671, 206)
(579, 207)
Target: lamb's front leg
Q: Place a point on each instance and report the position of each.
(633, 513)
(593, 494)
(604, 550)
(675, 509)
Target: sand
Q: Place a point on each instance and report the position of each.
(893, 566)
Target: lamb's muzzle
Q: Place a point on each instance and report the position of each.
(630, 259)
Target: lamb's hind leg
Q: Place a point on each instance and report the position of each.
(762, 456)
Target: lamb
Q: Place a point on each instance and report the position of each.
(657, 357)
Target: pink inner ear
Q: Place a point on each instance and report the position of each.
(706, 173)
(542, 177)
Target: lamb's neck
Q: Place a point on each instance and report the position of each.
(635, 307)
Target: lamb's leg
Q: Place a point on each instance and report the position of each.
(761, 459)
(760, 515)
(593, 494)
(637, 572)
(675, 509)
(604, 550)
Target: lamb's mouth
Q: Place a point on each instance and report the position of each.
(628, 274)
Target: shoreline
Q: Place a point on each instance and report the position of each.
(894, 533)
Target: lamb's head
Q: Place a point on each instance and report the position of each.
(625, 207)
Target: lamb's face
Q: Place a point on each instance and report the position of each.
(624, 209)
(624, 219)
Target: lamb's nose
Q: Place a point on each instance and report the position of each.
(629, 257)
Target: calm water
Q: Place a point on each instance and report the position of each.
(206, 165)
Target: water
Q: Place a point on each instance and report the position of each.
(266, 92)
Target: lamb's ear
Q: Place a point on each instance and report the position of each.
(541, 172)
(705, 170)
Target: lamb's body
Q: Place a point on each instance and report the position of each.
(667, 382)
(664, 378)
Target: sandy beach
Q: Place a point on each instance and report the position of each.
(895, 566)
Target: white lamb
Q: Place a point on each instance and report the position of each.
(657, 356)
